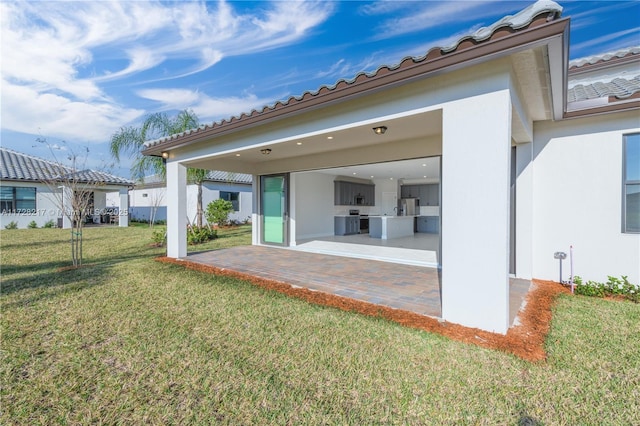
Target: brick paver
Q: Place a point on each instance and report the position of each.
(407, 287)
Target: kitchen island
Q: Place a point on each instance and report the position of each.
(388, 227)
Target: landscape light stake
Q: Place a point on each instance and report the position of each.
(560, 255)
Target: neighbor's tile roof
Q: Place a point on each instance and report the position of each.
(218, 176)
(620, 88)
(550, 10)
(17, 166)
(212, 176)
(628, 53)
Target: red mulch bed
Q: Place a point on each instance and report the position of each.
(525, 340)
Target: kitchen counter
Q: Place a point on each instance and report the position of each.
(388, 227)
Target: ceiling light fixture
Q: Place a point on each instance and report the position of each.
(380, 130)
(165, 154)
(237, 155)
(298, 143)
(329, 137)
(266, 151)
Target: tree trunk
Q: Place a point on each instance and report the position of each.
(199, 206)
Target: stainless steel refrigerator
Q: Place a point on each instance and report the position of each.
(409, 206)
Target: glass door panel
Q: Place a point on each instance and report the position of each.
(274, 209)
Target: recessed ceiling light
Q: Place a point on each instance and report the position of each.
(424, 165)
(390, 178)
(424, 177)
(298, 143)
(371, 176)
(354, 173)
(237, 155)
(329, 137)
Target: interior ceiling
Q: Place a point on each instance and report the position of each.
(415, 170)
(418, 126)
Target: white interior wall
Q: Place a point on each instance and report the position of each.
(313, 210)
(577, 198)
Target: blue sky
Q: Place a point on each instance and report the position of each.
(75, 72)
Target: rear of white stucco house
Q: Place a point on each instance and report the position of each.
(525, 165)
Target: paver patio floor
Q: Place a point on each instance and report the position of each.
(407, 287)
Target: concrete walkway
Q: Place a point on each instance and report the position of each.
(408, 287)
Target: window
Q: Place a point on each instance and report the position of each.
(631, 195)
(234, 197)
(17, 199)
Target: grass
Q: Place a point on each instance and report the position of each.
(130, 340)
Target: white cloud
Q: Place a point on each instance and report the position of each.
(207, 108)
(57, 60)
(26, 110)
(420, 16)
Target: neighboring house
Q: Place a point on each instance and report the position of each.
(149, 199)
(529, 153)
(29, 192)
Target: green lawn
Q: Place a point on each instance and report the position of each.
(129, 340)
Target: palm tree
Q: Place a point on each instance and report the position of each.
(131, 139)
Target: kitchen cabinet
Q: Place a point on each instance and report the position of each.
(353, 194)
(346, 225)
(429, 194)
(428, 224)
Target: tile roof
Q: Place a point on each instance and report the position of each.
(628, 53)
(212, 176)
(17, 166)
(218, 176)
(544, 10)
(620, 88)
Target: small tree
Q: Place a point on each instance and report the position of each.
(218, 211)
(72, 190)
(156, 199)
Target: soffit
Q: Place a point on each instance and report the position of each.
(531, 68)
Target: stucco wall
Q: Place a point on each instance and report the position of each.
(48, 205)
(577, 198)
(141, 204)
(47, 208)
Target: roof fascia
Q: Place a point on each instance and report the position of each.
(554, 35)
(619, 106)
(600, 65)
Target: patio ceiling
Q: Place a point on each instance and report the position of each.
(351, 145)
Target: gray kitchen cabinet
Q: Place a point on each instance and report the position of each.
(430, 195)
(410, 191)
(428, 224)
(353, 194)
(346, 225)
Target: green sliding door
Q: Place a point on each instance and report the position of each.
(274, 209)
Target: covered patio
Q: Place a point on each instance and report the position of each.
(410, 288)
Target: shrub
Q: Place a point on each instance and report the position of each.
(32, 225)
(159, 237)
(49, 224)
(11, 225)
(620, 287)
(218, 211)
(200, 235)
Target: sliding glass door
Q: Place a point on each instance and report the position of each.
(274, 209)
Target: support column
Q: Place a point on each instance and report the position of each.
(476, 142)
(123, 216)
(255, 214)
(176, 210)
